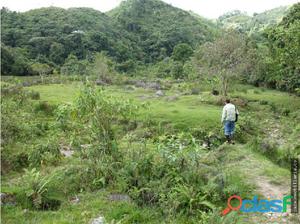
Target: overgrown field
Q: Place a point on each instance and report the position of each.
(140, 152)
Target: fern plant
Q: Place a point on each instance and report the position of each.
(36, 186)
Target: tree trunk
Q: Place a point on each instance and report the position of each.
(224, 81)
(225, 87)
(42, 77)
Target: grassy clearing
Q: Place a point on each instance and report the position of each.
(57, 93)
(280, 99)
(187, 111)
(234, 168)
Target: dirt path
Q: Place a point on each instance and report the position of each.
(269, 190)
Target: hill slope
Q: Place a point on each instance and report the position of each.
(137, 30)
(258, 22)
(159, 26)
(55, 33)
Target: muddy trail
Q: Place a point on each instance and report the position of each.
(268, 188)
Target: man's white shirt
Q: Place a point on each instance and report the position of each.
(229, 112)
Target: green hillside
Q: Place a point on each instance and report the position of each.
(54, 33)
(144, 31)
(158, 26)
(252, 24)
(144, 38)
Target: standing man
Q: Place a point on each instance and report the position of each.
(229, 117)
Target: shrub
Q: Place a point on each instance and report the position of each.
(215, 92)
(99, 111)
(195, 91)
(13, 161)
(34, 95)
(245, 129)
(273, 107)
(45, 153)
(286, 112)
(63, 116)
(85, 177)
(263, 102)
(189, 200)
(14, 126)
(44, 107)
(171, 176)
(36, 190)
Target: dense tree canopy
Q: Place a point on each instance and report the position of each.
(182, 52)
(144, 31)
(55, 33)
(284, 44)
(160, 27)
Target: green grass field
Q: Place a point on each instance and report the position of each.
(247, 169)
(187, 111)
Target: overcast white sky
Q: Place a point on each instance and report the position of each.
(206, 8)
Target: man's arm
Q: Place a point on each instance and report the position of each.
(223, 115)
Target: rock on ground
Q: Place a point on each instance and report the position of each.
(7, 199)
(119, 197)
(159, 93)
(99, 220)
(67, 153)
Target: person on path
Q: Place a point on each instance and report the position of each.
(229, 117)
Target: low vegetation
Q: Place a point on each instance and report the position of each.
(116, 116)
(165, 155)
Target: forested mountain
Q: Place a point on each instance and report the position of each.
(158, 26)
(137, 30)
(139, 33)
(49, 35)
(256, 23)
(234, 20)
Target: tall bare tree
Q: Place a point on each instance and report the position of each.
(223, 59)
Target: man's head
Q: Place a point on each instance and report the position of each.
(227, 101)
